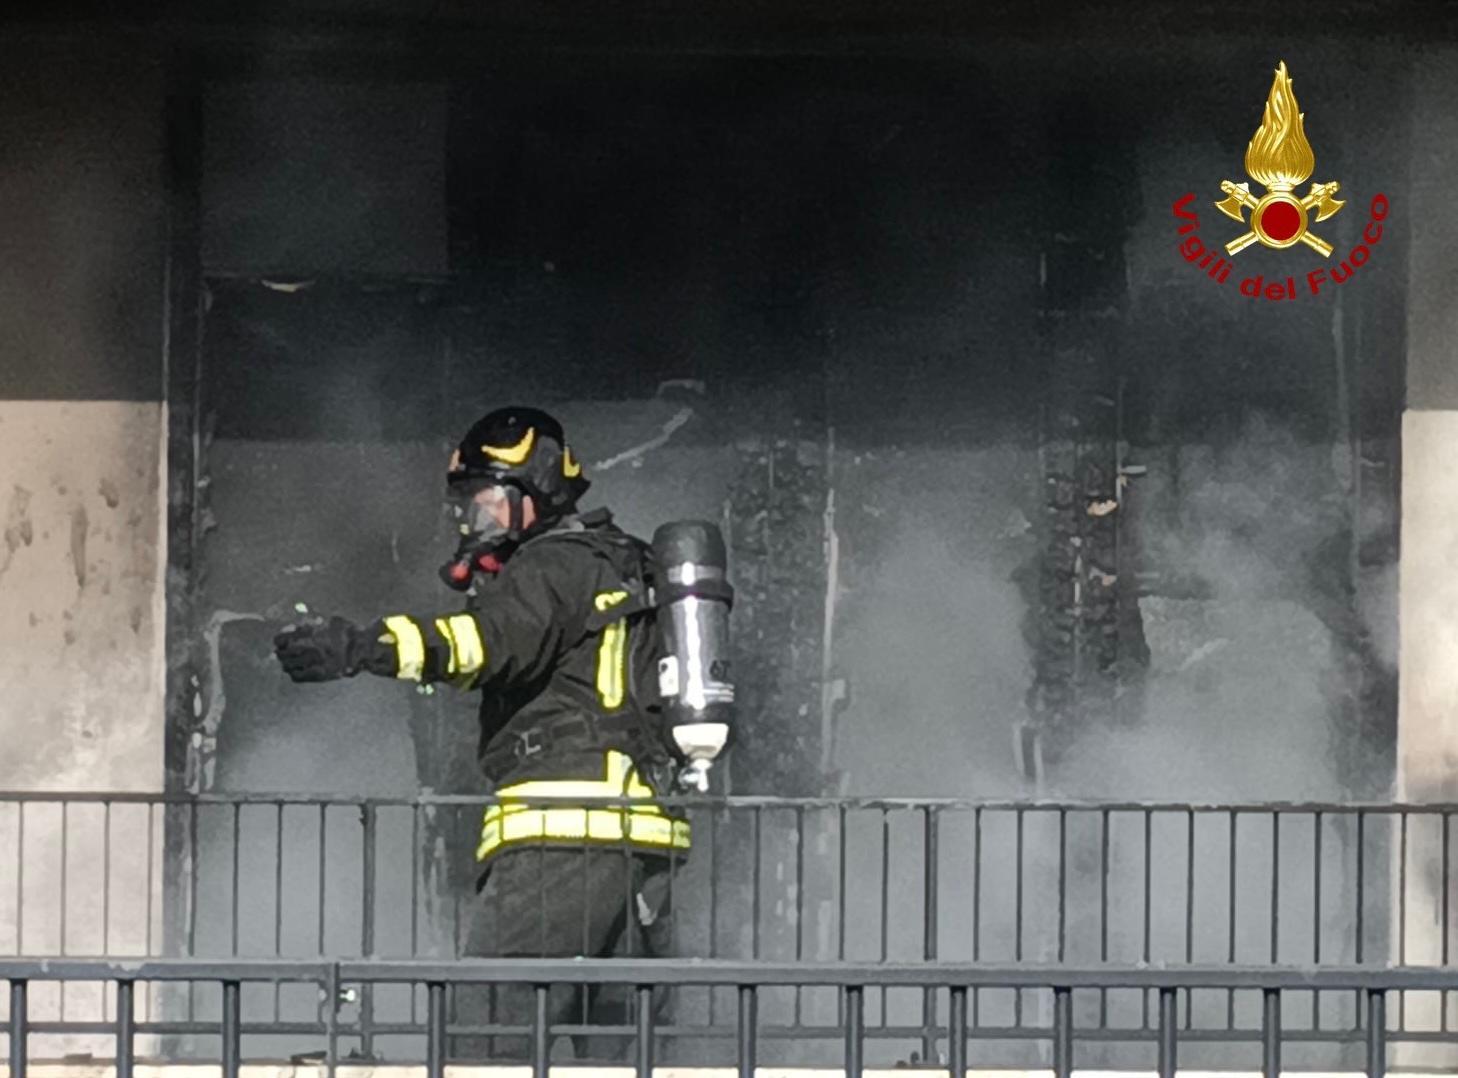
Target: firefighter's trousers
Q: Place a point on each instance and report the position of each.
(555, 902)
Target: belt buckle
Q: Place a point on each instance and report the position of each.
(527, 744)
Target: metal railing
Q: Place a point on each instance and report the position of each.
(792, 882)
(955, 1040)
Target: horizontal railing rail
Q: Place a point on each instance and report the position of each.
(792, 881)
(949, 1040)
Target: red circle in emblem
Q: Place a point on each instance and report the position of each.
(1281, 221)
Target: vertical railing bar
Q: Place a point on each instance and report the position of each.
(714, 882)
(125, 1029)
(369, 840)
(151, 854)
(456, 941)
(1275, 887)
(1316, 892)
(1019, 814)
(1447, 843)
(236, 916)
(627, 895)
(1169, 1031)
(1103, 910)
(885, 886)
(757, 878)
(1062, 883)
(65, 874)
(416, 867)
(232, 1038)
(885, 900)
(106, 877)
(855, 1031)
(192, 889)
(713, 901)
(748, 1030)
(1443, 998)
(20, 878)
(19, 1039)
(587, 906)
(1316, 916)
(65, 835)
(1361, 883)
(435, 1033)
(976, 907)
(1189, 907)
(957, 1033)
(1271, 1034)
(1062, 1032)
(1230, 956)
(1402, 913)
(931, 852)
(843, 873)
(541, 1035)
(799, 892)
(673, 922)
(323, 855)
(1148, 909)
(799, 900)
(1361, 906)
(278, 850)
(1376, 1033)
(645, 1031)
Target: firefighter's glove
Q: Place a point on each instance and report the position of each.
(323, 650)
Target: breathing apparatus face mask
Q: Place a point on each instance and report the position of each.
(489, 517)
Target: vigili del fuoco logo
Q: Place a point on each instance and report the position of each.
(1279, 159)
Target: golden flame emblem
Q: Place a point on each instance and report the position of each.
(1279, 157)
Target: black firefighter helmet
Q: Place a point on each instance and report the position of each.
(508, 454)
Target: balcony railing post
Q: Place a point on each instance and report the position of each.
(1062, 1033)
(1168, 1034)
(18, 1037)
(1271, 1034)
(957, 1033)
(1376, 1033)
(125, 1028)
(748, 1030)
(232, 1021)
(435, 1038)
(541, 1035)
(645, 1031)
(855, 1031)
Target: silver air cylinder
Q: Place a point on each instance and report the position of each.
(693, 598)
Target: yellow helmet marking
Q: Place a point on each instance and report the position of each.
(513, 454)
(570, 468)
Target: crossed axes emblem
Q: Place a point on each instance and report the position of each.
(1240, 199)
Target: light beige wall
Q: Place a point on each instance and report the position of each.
(81, 611)
(82, 559)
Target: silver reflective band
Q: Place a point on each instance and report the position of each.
(690, 573)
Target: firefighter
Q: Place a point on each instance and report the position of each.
(557, 638)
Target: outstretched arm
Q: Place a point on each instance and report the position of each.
(515, 636)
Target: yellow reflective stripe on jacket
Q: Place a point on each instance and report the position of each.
(639, 825)
(468, 651)
(611, 654)
(519, 823)
(409, 647)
